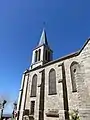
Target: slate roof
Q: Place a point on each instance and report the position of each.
(43, 39)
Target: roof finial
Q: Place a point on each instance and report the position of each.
(44, 25)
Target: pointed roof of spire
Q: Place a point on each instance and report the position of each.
(43, 38)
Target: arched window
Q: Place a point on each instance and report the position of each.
(52, 82)
(34, 86)
(74, 69)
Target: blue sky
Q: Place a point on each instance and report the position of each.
(21, 23)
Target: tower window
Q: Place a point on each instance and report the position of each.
(36, 54)
(32, 107)
(39, 54)
(52, 82)
(34, 86)
(48, 56)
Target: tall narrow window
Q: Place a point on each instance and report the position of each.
(34, 86)
(74, 69)
(46, 55)
(39, 54)
(52, 82)
(36, 54)
(32, 107)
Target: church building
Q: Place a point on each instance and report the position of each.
(54, 89)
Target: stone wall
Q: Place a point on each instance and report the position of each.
(54, 106)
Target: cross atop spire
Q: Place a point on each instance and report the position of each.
(43, 39)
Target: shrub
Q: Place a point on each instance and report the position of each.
(74, 115)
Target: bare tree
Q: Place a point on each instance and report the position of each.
(2, 104)
(4, 100)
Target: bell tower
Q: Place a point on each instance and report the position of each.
(42, 54)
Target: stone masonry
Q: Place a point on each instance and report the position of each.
(57, 106)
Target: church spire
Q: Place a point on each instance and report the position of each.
(43, 39)
(42, 53)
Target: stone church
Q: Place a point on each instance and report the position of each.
(52, 89)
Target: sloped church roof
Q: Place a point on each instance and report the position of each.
(66, 56)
